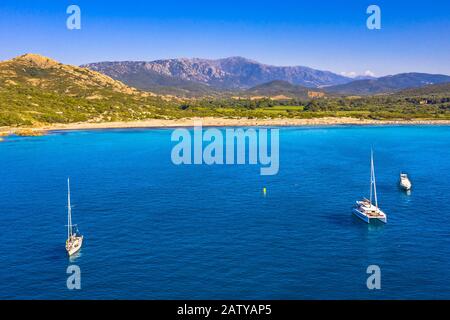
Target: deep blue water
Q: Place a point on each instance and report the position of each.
(156, 230)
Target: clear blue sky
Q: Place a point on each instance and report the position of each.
(328, 35)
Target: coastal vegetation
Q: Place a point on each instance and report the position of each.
(36, 90)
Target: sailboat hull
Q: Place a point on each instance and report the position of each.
(75, 247)
(74, 240)
(365, 209)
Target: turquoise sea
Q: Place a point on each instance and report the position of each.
(156, 230)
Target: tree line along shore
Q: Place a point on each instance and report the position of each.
(43, 129)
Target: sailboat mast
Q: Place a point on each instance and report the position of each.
(373, 182)
(371, 175)
(69, 213)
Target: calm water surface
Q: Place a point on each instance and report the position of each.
(156, 230)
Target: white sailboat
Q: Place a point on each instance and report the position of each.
(74, 239)
(365, 209)
(405, 183)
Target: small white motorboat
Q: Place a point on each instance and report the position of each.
(365, 209)
(405, 183)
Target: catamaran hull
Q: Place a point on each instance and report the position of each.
(384, 220)
(365, 218)
(361, 216)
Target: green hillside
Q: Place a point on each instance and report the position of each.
(280, 88)
(36, 89)
(435, 90)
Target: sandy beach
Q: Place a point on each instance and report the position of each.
(212, 122)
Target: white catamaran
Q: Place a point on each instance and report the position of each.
(365, 209)
(74, 239)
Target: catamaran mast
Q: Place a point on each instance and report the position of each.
(69, 213)
(373, 183)
(371, 176)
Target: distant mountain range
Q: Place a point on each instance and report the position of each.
(235, 73)
(388, 83)
(200, 77)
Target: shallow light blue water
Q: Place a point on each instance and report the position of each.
(156, 230)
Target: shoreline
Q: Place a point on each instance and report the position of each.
(211, 122)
